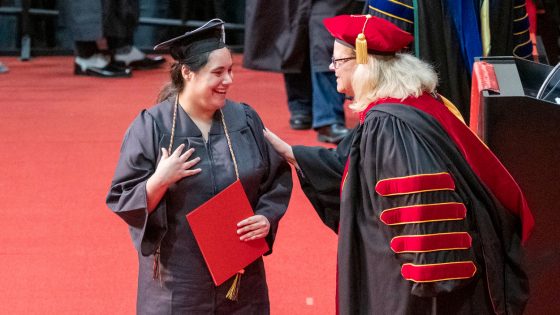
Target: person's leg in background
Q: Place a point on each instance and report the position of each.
(83, 18)
(146, 35)
(328, 111)
(120, 19)
(299, 93)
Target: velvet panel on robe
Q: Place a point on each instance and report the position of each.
(439, 44)
(185, 284)
(400, 142)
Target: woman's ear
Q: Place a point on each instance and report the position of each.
(186, 73)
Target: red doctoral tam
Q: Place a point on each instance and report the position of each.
(382, 36)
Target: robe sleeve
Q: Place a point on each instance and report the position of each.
(127, 196)
(414, 198)
(276, 187)
(320, 174)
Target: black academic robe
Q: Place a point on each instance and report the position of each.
(185, 285)
(390, 260)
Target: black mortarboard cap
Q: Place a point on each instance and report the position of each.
(208, 37)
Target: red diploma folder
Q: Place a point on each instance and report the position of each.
(214, 225)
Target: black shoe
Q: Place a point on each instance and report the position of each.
(111, 70)
(300, 122)
(149, 62)
(332, 133)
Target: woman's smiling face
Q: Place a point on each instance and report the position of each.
(208, 86)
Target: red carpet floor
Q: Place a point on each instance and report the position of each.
(62, 251)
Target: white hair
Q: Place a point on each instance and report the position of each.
(398, 76)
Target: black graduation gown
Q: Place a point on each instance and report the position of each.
(399, 141)
(186, 286)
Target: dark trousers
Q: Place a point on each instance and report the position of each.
(90, 20)
(314, 94)
(120, 20)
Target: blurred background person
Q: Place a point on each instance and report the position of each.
(84, 20)
(120, 21)
(289, 37)
(90, 22)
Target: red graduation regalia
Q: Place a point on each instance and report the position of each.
(424, 226)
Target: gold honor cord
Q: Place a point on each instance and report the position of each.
(175, 110)
(234, 290)
(156, 275)
(229, 145)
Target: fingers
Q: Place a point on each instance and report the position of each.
(191, 172)
(179, 149)
(279, 145)
(164, 153)
(253, 228)
(251, 236)
(187, 171)
(191, 163)
(273, 138)
(185, 156)
(269, 135)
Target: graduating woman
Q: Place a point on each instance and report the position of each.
(179, 154)
(429, 221)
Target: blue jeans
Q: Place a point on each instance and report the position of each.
(315, 94)
(327, 102)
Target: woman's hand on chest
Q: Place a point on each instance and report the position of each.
(176, 166)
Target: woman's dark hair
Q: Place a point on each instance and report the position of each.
(193, 63)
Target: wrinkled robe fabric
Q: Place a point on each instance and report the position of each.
(399, 141)
(185, 285)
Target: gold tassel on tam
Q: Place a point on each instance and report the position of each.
(234, 290)
(361, 49)
(361, 44)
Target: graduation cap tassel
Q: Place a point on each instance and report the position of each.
(234, 289)
(361, 49)
(361, 44)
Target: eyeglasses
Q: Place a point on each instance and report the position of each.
(338, 62)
